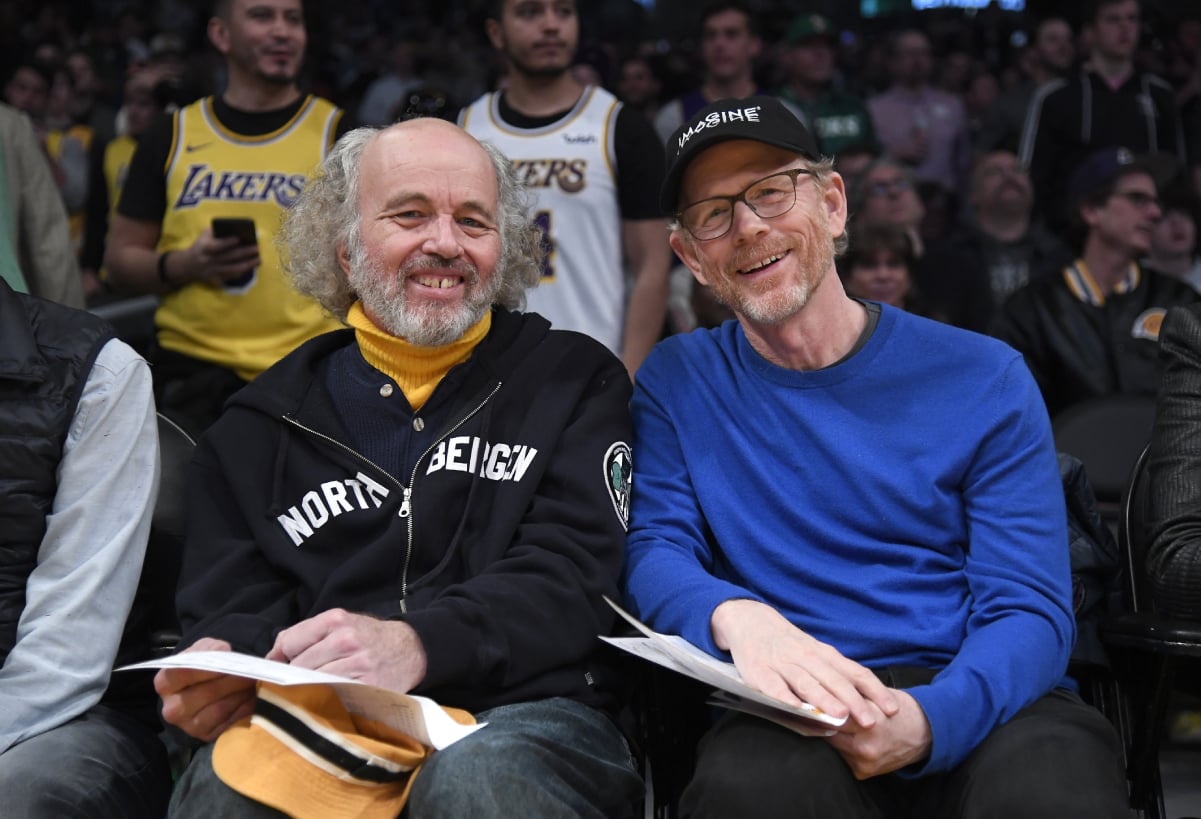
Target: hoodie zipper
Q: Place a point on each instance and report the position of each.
(406, 503)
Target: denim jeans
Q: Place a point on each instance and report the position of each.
(100, 765)
(550, 758)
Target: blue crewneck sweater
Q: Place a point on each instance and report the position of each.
(903, 505)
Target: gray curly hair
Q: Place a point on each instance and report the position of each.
(326, 217)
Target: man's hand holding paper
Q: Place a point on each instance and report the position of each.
(384, 653)
(204, 703)
(784, 662)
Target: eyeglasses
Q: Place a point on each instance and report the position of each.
(1140, 200)
(888, 186)
(767, 198)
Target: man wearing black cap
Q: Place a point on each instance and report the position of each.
(1093, 329)
(861, 508)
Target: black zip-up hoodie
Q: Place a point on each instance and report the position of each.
(496, 548)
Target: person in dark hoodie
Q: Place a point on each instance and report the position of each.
(433, 501)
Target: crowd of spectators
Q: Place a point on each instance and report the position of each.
(365, 55)
(936, 119)
(1038, 180)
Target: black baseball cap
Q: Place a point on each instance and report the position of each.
(763, 119)
(1103, 167)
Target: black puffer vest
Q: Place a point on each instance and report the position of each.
(46, 353)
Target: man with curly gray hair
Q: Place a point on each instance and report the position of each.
(432, 501)
(328, 218)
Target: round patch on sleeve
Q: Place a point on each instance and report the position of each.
(619, 469)
(1148, 323)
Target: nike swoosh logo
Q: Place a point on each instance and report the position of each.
(190, 148)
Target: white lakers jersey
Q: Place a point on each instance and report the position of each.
(570, 168)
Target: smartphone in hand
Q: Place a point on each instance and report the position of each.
(243, 229)
(246, 233)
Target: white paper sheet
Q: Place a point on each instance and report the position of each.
(419, 717)
(676, 653)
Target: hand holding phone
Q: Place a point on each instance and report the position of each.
(244, 231)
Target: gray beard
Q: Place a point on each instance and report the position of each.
(383, 295)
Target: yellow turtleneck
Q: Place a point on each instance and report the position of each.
(416, 370)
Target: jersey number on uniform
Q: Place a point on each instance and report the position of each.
(542, 220)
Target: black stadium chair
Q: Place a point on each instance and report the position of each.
(160, 571)
(670, 717)
(1106, 434)
(1147, 648)
(152, 628)
(132, 319)
(164, 552)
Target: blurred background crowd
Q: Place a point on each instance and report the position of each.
(442, 44)
(88, 73)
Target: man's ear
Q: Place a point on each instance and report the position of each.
(1088, 213)
(218, 31)
(685, 248)
(344, 258)
(495, 33)
(835, 198)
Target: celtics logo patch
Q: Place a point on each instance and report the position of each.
(619, 468)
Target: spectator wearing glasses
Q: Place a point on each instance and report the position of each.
(885, 191)
(884, 450)
(1093, 329)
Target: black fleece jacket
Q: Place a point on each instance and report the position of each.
(496, 548)
(1174, 470)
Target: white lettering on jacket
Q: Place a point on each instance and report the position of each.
(495, 462)
(329, 500)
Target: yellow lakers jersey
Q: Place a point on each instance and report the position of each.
(117, 154)
(213, 172)
(54, 149)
